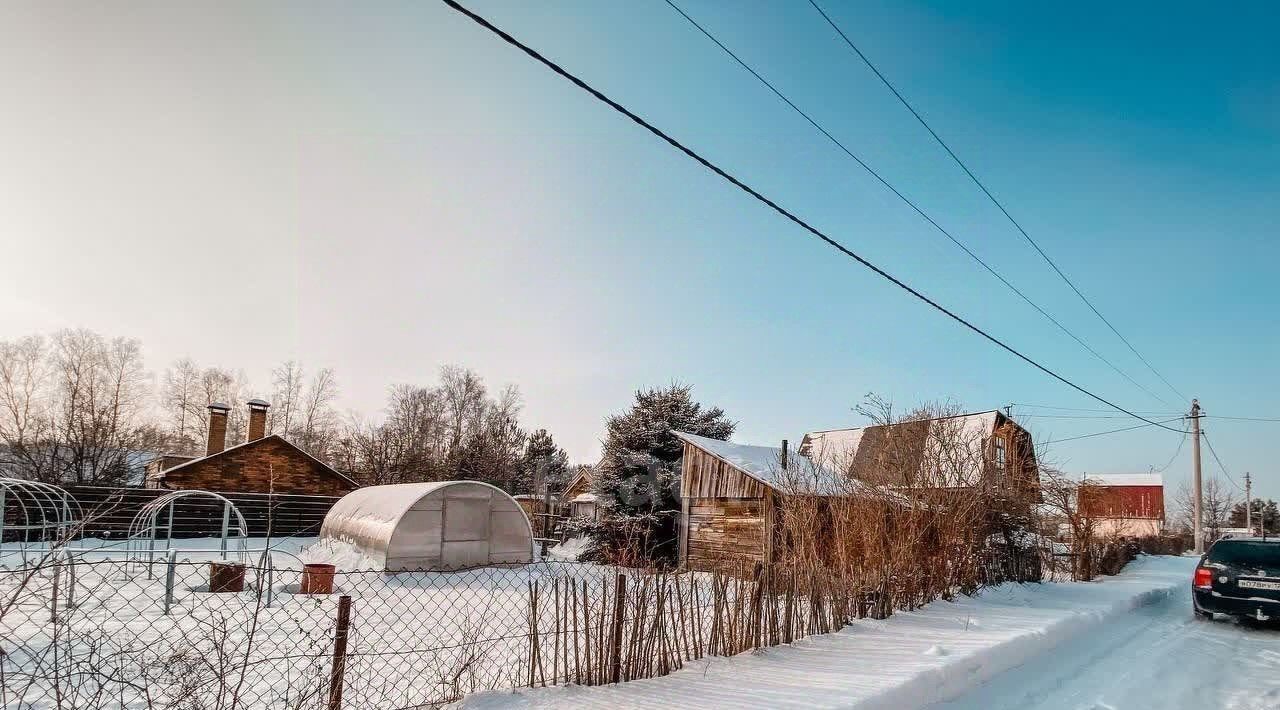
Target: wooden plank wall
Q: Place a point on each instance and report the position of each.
(724, 532)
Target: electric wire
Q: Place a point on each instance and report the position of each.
(1205, 436)
(556, 68)
(990, 196)
(1181, 442)
(1117, 431)
(909, 202)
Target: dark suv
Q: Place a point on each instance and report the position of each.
(1240, 577)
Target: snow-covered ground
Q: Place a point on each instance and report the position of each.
(415, 637)
(1124, 642)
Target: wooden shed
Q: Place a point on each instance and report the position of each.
(730, 494)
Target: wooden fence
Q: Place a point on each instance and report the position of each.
(109, 511)
(648, 624)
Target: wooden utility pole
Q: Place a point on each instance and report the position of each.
(1248, 503)
(1197, 516)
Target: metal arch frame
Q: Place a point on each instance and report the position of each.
(144, 526)
(59, 511)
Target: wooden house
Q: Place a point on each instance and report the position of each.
(1124, 505)
(577, 500)
(983, 449)
(265, 463)
(730, 494)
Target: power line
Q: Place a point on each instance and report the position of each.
(1110, 413)
(1082, 409)
(1117, 431)
(532, 53)
(1073, 416)
(908, 201)
(1181, 442)
(990, 196)
(1205, 435)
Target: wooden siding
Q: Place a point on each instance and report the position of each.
(1122, 501)
(725, 532)
(703, 475)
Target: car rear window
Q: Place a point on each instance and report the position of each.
(1246, 554)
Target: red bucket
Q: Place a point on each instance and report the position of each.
(317, 578)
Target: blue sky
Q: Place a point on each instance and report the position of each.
(392, 188)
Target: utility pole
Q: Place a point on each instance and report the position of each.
(1248, 503)
(1197, 515)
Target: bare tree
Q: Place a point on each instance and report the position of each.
(178, 396)
(26, 426)
(218, 384)
(1216, 504)
(74, 408)
(316, 426)
(286, 398)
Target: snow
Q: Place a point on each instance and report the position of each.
(1124, 479)
(394, 618)
(343, 555)
(948, 651)
(584, 498)
(570, 549)
(763, 463)
(834, 445)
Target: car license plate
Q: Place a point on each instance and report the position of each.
(1258, 584)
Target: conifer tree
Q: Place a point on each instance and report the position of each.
(638, 478)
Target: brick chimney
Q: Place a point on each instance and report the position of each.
(257, 419)
(217, 428)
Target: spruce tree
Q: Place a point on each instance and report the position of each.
(637, 481)
(544, 463)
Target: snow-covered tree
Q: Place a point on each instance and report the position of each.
(638, 477)
(543, 464)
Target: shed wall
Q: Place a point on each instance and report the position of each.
(725, 532)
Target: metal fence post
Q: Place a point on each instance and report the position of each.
(53, 602)
(266, 576)
(339, 652)
(171, 567)
(226, 524)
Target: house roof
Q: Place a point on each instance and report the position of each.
(1124, 479)
(842, 448)
(584, 472)
(247, 444)
(764, 464)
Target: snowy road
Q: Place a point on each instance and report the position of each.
(1158, 656)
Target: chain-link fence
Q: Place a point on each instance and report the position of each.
(166, 633)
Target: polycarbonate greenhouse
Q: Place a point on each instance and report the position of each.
(432, 526)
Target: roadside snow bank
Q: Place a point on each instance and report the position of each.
(908, 661)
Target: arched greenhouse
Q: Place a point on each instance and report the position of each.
(432, 526)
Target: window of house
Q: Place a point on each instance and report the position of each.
(998, 460)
